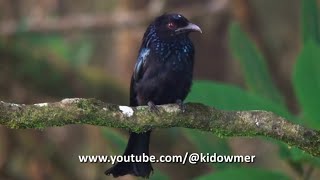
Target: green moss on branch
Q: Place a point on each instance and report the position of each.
(139, 119)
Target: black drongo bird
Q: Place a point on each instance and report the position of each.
(162, 75)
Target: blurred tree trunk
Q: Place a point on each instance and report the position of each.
(126, 44)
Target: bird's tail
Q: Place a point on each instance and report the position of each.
(137, 145)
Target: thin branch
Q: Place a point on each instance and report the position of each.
(139, 119)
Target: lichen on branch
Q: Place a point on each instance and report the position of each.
(139, 119)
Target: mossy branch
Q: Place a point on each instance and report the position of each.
(138, 119)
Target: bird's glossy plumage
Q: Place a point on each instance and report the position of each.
(162, 75)
(164, 66)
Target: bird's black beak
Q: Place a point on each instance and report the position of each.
(189, 28)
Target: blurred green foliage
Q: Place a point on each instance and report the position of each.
(310, 21)
(77, 52)
(229, 97)
(205, 143)
(253, 64)
(306, 81)
(44, 63)
(244, 173)
(263, 94)
(118, 141)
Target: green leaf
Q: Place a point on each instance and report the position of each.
(306, 81)
(245, 174)
(159, 175)
(229, 97)
(206, 143)
(310, 21)
(296, 156)
(254, 66)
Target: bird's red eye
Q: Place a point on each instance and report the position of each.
(171, 25)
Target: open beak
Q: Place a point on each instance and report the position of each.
(189, 28)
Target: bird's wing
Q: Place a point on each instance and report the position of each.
(138, 71)
(133, 94)
(140, 64)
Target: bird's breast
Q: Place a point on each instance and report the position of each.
(168, 74)
(164, 82)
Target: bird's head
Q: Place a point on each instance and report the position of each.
(169, 25)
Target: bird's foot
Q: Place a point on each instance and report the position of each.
(153, 107)
(181, 105)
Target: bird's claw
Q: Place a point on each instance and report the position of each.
(153, 108)
(181, 105)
